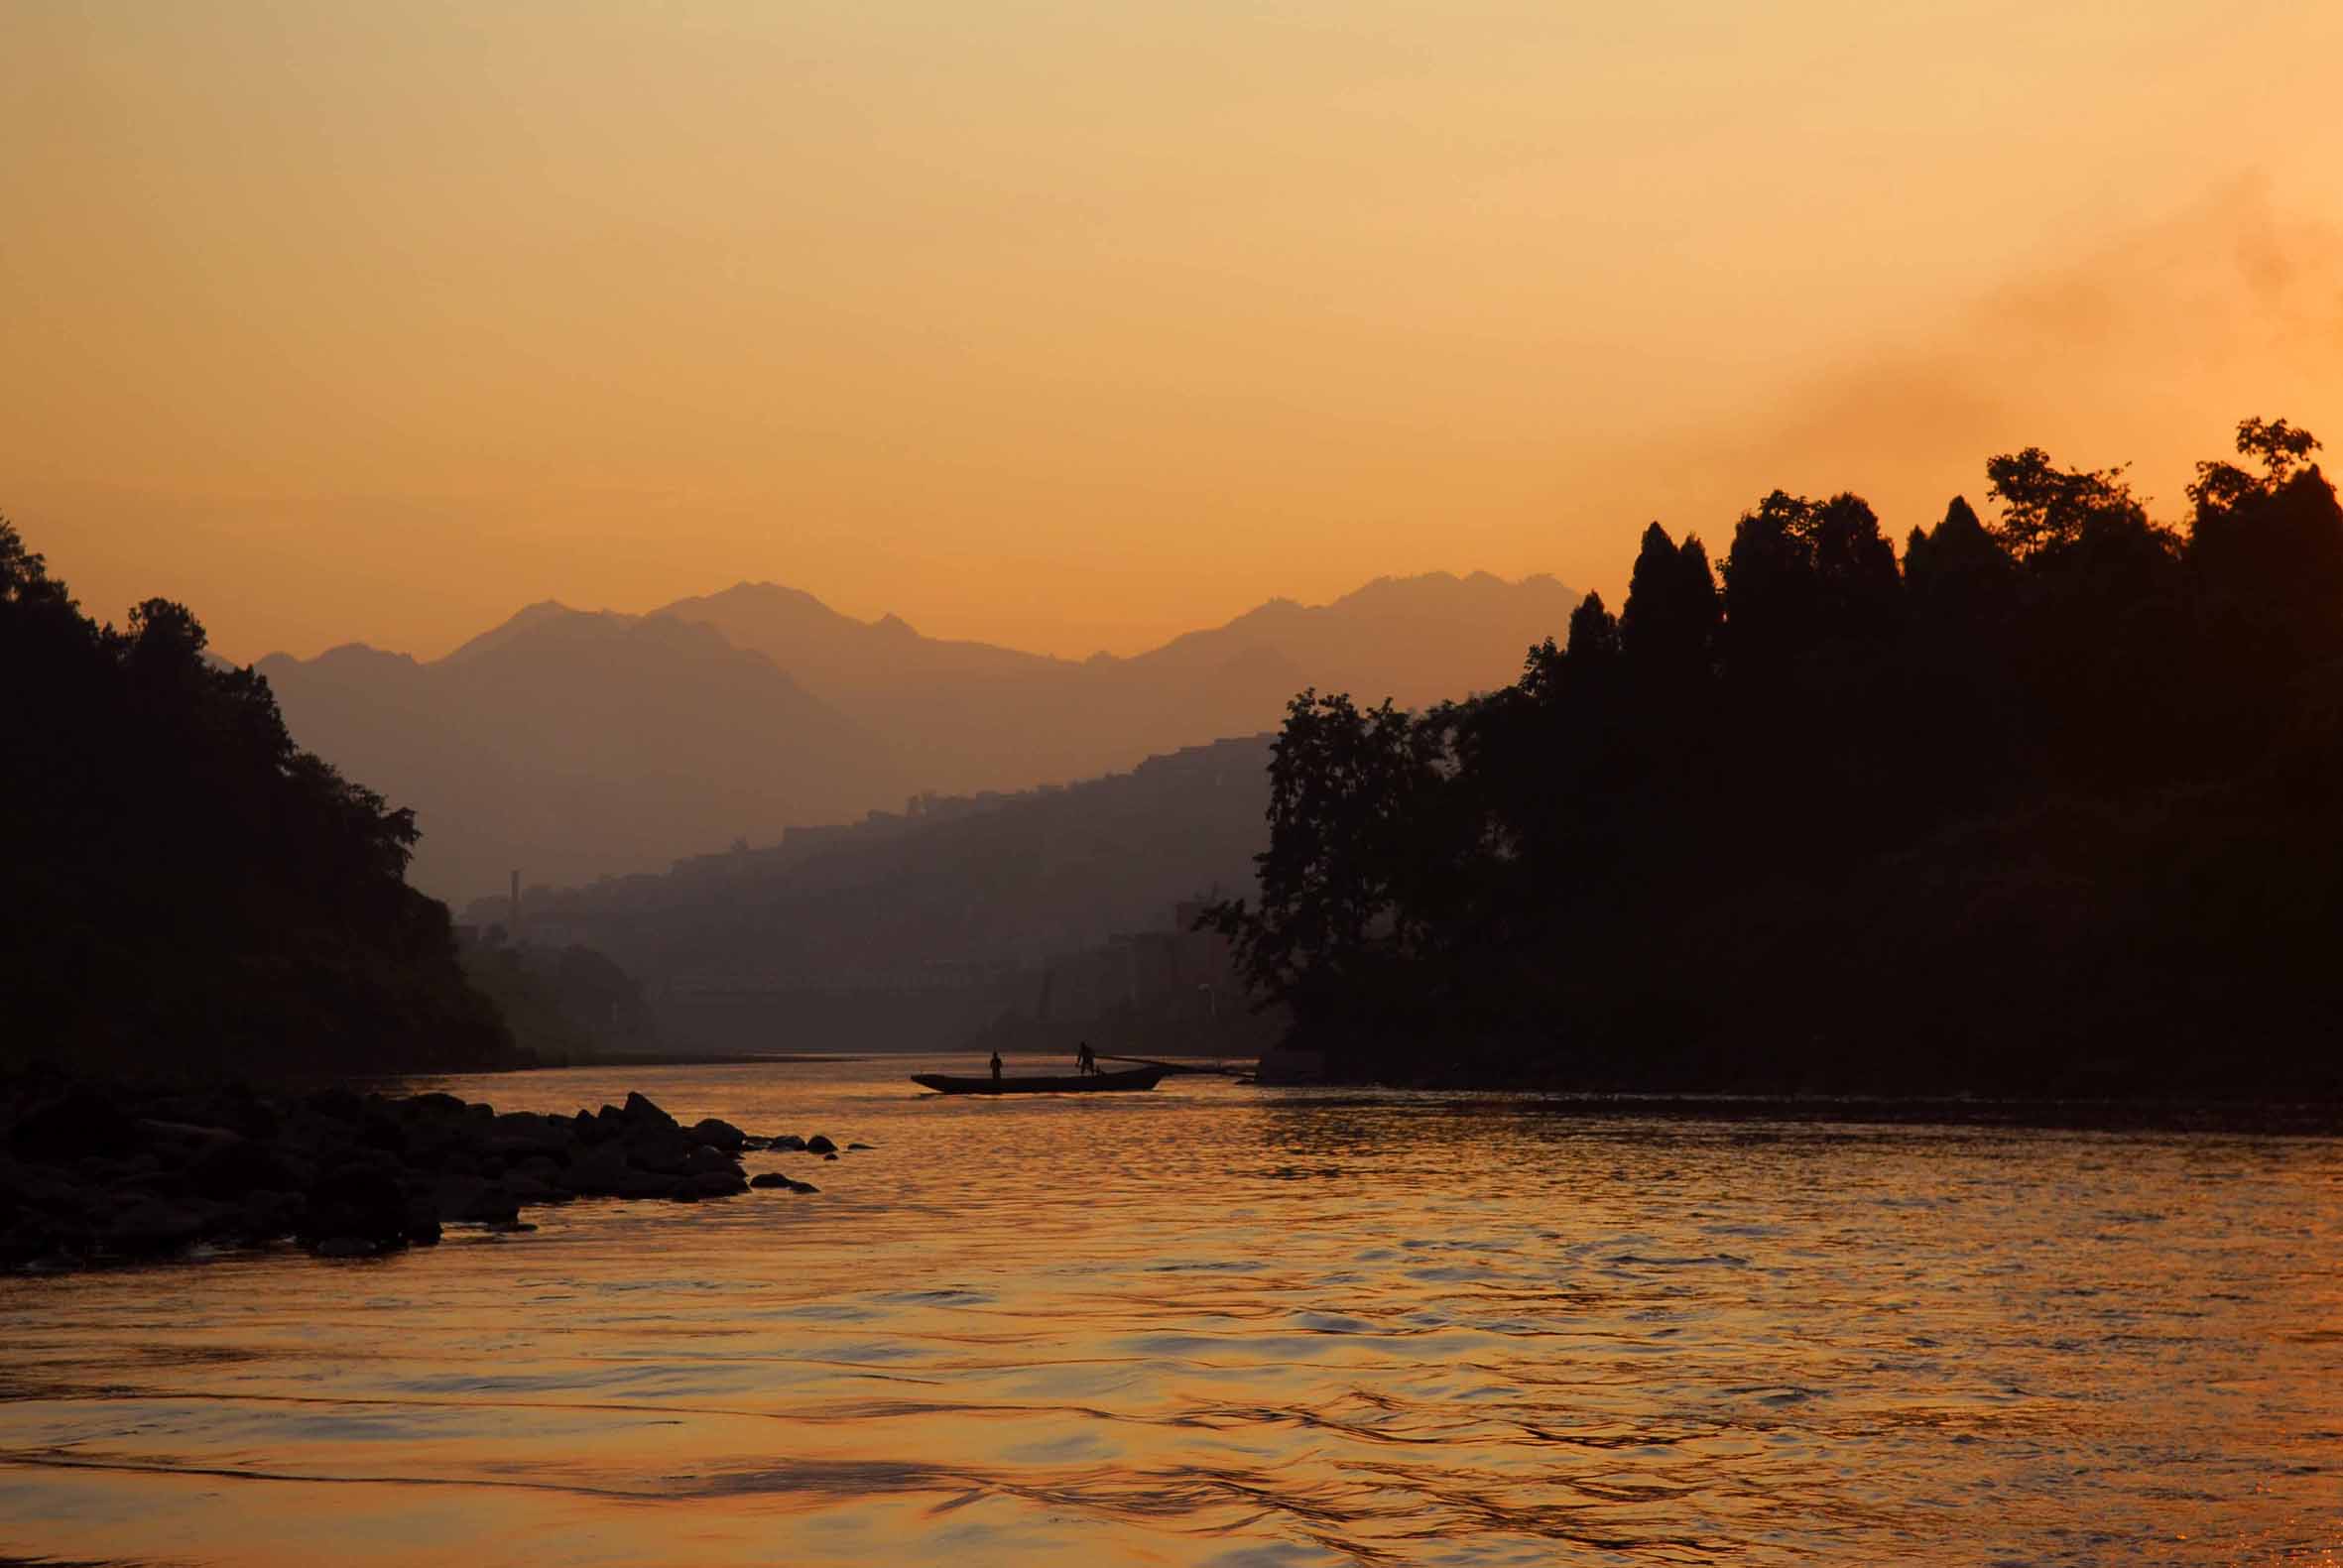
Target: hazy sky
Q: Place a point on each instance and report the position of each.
(1073, 325)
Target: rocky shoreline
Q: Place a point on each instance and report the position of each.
(93, 1174)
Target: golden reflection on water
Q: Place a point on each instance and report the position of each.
(1222, 1326)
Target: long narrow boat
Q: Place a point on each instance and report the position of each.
(1070, 1083)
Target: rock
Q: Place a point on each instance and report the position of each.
(355, 1201)
(80, 1122)
(234, 1166)
(379, 1128)
(265, 1216)
(851, 1148)
(181, 1141)
(90, 1170)
(339, 1105)
(28, 1239)
(234, 1107)
(641, 1113)
(830, 1156)
(665, 1154)
(423, 1223)
(530, 1191)
(471, 1200)
(769, 1179)
(718, 1133)
(152, 1226)
(526, 1129)
(601, 1172)
(713, 1184)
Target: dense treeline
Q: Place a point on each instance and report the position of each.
(2047, 805)
(183, 889)
(564, 1005)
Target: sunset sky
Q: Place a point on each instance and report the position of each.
(1074, 326)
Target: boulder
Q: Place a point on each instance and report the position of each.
(719, 1134)
(423, 1223)
(152, 1226)
(234, 1107)
(524, 1133)
(529, 1190)
(78, 1122)
(233, 1166)
(264, 1216)
(641, 1113)
(818, 1144)
(767, 1180)
(601, 1172)
(473, 1200)
(667, 1154)
(336, 1104)
(789, 1142)
(380, 1128)
(355, 1201)
(646, 1184)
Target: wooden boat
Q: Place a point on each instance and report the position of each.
(1069, 1083)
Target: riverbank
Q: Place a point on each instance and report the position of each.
(95, 1172)
(2275, 1115)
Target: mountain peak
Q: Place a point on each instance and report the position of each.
(531, 618)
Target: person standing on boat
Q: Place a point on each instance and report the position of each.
(996, 1066)
(1085, 1059)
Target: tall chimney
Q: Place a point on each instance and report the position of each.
(514, 923)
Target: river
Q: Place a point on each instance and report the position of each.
(1231, 1327)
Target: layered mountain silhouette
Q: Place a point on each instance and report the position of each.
(581, 743)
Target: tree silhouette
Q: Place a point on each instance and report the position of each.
(2047, 807)
(181, 884)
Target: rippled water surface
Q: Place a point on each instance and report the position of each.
(1238, 1327)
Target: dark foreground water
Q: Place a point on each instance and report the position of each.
(1246, 1328)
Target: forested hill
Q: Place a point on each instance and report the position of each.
(2050, 804)
(185, 891)
(967, 881)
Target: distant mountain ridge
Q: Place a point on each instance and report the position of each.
(577, 743)
(581, 744)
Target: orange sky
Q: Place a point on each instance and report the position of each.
(1073, 325)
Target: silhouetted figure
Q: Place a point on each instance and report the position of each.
(996, 1066)
(1085, 1059)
